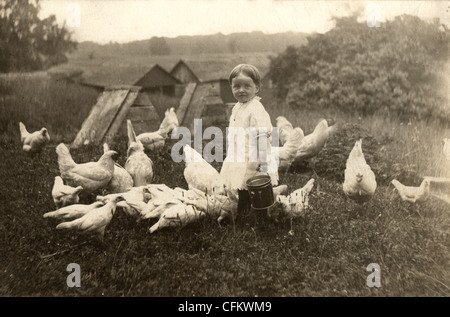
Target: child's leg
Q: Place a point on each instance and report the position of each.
(244, 202)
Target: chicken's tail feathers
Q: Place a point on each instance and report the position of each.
(65, 160)
(23, 131)
(131, 133)
(309, 185)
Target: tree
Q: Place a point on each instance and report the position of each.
(27, 42)
(356, 68)
(159, 46)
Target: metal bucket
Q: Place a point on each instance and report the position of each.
(261, 192)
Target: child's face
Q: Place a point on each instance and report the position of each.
(243, 88)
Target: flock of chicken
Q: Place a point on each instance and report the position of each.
(130, 187)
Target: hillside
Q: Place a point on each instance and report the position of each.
(199, 44)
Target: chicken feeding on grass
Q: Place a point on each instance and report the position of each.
(155, 141)
(218, 206)
(359, 179)
(286, 153)
(178, 215)
(33, 143)
(199, 174)
(285, 129)
(121, 179)
(296, 203)
(131, 194)
(154, 208)
(95, 221)
(91, 175)
(74, 211)
(138, 164)
(413, 194)
(64, 195)
(313, 143)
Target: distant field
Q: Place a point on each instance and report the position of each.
(206, 67)
(326, 255)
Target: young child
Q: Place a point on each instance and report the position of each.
(249, 136)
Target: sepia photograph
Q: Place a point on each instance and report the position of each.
(220, 155)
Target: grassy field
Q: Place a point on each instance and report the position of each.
(326, 255)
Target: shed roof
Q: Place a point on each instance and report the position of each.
(114, 74)
(182, 64)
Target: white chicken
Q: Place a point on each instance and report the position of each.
(74, 211)
(296, 203)
(131, 194)
(285, 128)
(178, 215)
(154, 208)
(359, 179)
(95, 221)
(138, 164)
(154, 141)
(91, 175)
(64, 195)
(121, 179)
(286, 153)
(413, 193)
(33, 143)
(199, 174)
(313, 143)
(446, 148)
(215, 205)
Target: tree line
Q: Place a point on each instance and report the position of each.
(394, 68)
(28, 43)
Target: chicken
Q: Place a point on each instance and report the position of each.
(359, 179)
(411, 193)
(446, 148)
(285, 128)
(91, 175)
(95, 221)
(33, 143)
(154, 141)
(296, 203)
(178, 215)
(74, 211)
(154, 208)
(121, 179)
(313, 143)
(286, 153)
(215, 205)
(131, 194)
(64, 195)
(199, 174)
(138, 164)
(162, 197)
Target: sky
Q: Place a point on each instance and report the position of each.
(121, 21)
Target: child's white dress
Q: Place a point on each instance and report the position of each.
(242, 160)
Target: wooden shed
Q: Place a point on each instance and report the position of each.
(108, 116)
